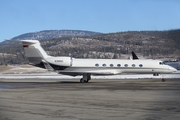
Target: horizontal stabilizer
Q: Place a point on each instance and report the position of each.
(47, 66)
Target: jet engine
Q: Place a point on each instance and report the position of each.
(60, 61)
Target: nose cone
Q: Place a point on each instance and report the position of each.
(172, 69)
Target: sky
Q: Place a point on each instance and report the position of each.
(23, 16)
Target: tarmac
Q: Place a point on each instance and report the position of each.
(67, 99)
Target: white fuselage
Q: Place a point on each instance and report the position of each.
(114, 66)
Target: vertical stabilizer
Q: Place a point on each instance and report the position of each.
(34, 52)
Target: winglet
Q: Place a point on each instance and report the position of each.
(134, 56)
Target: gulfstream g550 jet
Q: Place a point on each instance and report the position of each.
(87, 67)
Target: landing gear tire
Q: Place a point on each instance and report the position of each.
(163, 80)
(83, 81)
(85, 78)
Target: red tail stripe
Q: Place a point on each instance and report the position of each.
(25, 46)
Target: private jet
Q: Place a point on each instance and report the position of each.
(87, 67)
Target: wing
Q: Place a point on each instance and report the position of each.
(75, 73)
(79, 72)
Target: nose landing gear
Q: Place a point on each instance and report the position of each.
(163, 79)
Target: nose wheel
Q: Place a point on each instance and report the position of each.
(163, 78)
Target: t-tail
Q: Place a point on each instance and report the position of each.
(34, 52)
(38, 57)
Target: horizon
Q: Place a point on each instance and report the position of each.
(21, 17)
(92, 31)
(98, 32)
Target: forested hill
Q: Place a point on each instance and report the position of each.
(48, 34)
(149, 44)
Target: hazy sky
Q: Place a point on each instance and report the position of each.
(22, 16)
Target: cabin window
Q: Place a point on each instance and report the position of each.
(133, 65)
(104, 65)
(119, 65)
(126, 65)
(97, 65)
(140, 65)
(111, 65)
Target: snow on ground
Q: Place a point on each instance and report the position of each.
(30, 72)
(58, 76)
(22, 69)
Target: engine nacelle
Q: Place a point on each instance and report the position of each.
(60, 61)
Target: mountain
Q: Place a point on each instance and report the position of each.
(49, 34)
(147, 44)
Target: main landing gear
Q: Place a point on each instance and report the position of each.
(163, 80)
(86, 78)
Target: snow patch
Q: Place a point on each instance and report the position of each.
(58, 76)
